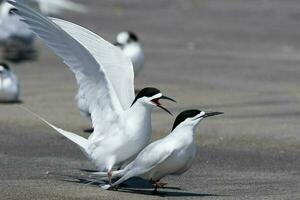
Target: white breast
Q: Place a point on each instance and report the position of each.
(9, 87)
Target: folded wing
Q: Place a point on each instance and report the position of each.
(153, 155)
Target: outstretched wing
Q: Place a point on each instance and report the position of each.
(116, 64)
(104, 105)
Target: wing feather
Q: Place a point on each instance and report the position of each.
(153, 155)
(80, 141)
(116, 64)
(91, 77)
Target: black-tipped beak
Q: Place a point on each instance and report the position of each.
(168, 98)
(212, 114)
(164, 109)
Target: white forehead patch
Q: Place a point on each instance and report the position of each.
(156, 96)
(202, 113)
(123, 37)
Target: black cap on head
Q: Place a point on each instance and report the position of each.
(184, 115)
(133, 36)
(5, 66)
(146, 92)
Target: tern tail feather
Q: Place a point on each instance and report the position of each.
(80, 141)
(115, 174)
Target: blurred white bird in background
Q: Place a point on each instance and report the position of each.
(104, 74)
(130, 45)
(173, 154)
(17, 39)
(9, 84)
(15, 36)
(57, 7)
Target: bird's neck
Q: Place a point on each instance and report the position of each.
(139, 109)
(140, 114)
(184, 134)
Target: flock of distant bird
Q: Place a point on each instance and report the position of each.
(119, 144)
(18, 42)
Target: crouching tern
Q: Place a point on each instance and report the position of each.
(173, 154)
(9, 84)
(121, 122)
(130, 45)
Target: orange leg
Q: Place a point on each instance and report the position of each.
(109, 175)
(157, 184)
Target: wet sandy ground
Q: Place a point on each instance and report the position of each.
(236, 56)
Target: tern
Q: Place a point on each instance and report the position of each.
(173, 154)
(129, 43)
(11, 26)
(56, 7)
(121, 122)
(15, 35)
(9, 84)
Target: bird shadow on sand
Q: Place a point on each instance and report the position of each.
(11, 102)
(168, 193)
(138, 186)
(88, 130)
(88, 170)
